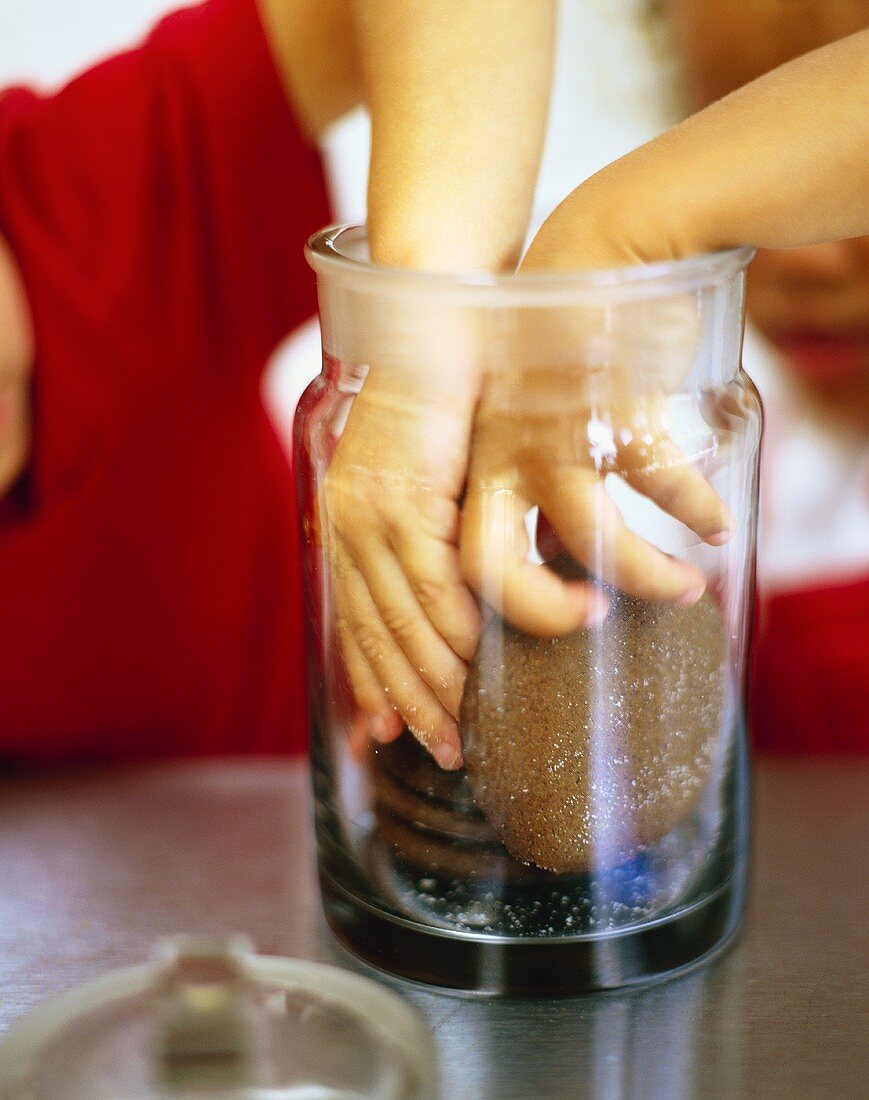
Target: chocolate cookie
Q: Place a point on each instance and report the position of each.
(582, 749)
(411, 767)
(433, 816)
(429, 819)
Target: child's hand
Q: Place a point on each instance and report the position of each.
(389, 512)
(15, 359)
(547, 436)
(781, 162)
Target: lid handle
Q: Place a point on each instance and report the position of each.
(204, 1019)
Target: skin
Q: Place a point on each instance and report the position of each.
(442, 110)
(798, 134)
(811, 302)
(316, 50)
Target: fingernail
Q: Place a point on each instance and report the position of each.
(598, 607)
(720, 537)
(689, 598)
(447, 755)
(378, 727)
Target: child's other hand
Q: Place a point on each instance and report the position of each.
(15, 360)
(585, 396)
(543, 438)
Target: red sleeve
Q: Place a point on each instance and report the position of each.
(810, 677)
(166, 191)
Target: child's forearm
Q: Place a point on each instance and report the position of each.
(782, 162)
(458, 92)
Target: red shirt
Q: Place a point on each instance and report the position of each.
(149, 582)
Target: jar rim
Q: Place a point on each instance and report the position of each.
(331, 252)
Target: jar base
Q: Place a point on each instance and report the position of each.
(563, 966)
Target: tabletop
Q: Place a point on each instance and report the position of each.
(95, 866)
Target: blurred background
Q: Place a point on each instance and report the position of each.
(620, 78)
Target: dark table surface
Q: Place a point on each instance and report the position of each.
(94, 867)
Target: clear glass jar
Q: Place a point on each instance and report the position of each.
(595, 834)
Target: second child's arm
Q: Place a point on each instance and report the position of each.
(782, 162)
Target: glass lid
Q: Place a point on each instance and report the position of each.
(211, 1019)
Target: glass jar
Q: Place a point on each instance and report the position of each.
(597, 427)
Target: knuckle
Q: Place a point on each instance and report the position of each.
(463, 641)
(402, 625)
(371, 644)
(539, 464)
(430, 590)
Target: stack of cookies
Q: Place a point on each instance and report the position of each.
(581, 751)
(430, 821)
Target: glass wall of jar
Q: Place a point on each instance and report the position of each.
(528, 509)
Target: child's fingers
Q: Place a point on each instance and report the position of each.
(433, 659)
(586, 519)
(494, 548)
(366, 728)
(367, 691)
(661, 472)
(401, 684)
(433, 571)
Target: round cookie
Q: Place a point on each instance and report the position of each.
(439, 854)
(431, 816)
(584, 748)
(410, 766)
(429, 819)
